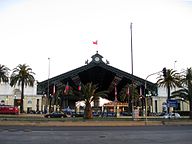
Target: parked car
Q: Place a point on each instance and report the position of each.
(68, 111)
(108, 114)
(172, 116)
(77, 114)
(96, 114)
(9, 109)
(125, 114)
(161, 114)
(55, 115)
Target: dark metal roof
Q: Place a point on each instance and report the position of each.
(98, 72)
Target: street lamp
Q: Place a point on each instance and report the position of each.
(146, 95)
(182, 99)
(15, 100)
(48, 76)
(48, 83)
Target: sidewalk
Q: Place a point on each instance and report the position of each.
(80, 123)
(125, 122)
(93, 123)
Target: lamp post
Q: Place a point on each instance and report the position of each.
(182, 99)
(15, 100)
(131, 49)
(132, 105)
(47, 102)
(146, 95)
(48, 76)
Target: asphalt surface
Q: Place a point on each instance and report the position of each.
(180, 134)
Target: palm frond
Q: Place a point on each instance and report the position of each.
(22, 73)
(181, 93)
(4, 74)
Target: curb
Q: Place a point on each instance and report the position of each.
(93, 123)
(80, 123)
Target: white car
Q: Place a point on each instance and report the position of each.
(172, 116)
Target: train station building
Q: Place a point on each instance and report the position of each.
(50, 93)
(108, 78)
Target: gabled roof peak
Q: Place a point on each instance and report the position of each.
(97, 58)
(97, 54)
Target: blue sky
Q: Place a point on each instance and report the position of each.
(31, 31)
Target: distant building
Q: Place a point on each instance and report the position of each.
(12, 96)
(96, 71)
(100, 72)
(161, 101)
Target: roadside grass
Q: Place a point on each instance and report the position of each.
(33, 118)
(41, 118)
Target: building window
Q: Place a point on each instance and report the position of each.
(2, 102)
(29, 102)
(156, 106)
(37, 104)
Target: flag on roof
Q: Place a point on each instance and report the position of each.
(127, 92)
(66, 88)
(95, 42)
(115, 92)
(54, 90)
(79, 86)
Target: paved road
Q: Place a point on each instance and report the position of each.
(96, 135)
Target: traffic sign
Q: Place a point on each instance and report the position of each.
(172, 103)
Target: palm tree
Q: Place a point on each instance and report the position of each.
(133, 90)
(133, 97)
(58, 99)
(4, 74)
(169, 80)
(182, 93)
(22, 76)
(186, 90)
(89, 94)
(189, 85)
(123, 97)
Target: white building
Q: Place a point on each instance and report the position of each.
(12, 96)
(159, 101)
(33, 102)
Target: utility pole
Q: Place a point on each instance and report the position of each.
(131, 49)
(146, 104)
(48, 82)
(132, 93)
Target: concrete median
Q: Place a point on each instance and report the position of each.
(81, 123)
(39, 120)
(93, 123)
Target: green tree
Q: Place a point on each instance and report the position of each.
(182, 93)
(89, 94)
(58, 99)
(22, 76)
(169, 80)
(4, 71)
(186, 89)
(123, 96)
(133, 93)
(188, 81)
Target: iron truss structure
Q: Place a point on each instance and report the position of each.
(98, 72)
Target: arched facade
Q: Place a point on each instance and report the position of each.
(98, 72)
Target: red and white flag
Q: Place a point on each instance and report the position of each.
(127, 92)
(115, 92)
(79, 86)
(54, 90)
(66, 89)
(95, 42)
